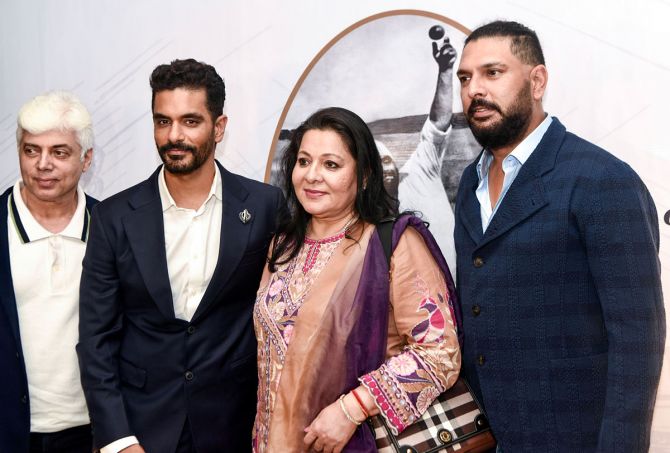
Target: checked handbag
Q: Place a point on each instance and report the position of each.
(453, 423)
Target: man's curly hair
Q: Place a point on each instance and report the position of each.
(193, 75)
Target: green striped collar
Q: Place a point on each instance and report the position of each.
(21, 230)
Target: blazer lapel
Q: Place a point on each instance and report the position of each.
(144, 228)
(468, 206)
(524, 198)
(7, 297)
(233, 241)
(526, 195)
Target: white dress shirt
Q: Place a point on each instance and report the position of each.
(46, 269)
(511, 166)
(192, 239)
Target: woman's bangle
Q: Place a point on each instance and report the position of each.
(346, 413)
(360, 403)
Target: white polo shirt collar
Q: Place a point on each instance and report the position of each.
(30, 230)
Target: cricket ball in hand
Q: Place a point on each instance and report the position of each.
(436, 32)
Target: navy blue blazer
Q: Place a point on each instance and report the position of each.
(144, 371)
(14, 397)
(563, 311)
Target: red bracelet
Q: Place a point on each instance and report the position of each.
(360, 403)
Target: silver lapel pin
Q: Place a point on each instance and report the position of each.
(245, 216)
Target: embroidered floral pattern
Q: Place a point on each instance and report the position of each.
(276, 287)
(277, 306)
(406, 385)
(314, 247)
(402, 365)
(278, 310)
(288, 333)
(432, 328)
(425, 398)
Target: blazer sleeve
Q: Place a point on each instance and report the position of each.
(619, 229)
(100, 324)
(282, 212)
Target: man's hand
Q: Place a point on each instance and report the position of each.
(445, 55)
(441, 109)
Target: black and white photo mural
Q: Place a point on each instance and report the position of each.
(397, 71)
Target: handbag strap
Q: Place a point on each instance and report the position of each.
(385, 232)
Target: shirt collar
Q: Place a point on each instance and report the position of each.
(522, 151)
(216, 190)
(29, 228)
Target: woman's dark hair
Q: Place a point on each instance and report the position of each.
(372, 204)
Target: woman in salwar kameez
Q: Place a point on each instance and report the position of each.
(332, 351)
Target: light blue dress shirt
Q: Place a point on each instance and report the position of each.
(511, 166)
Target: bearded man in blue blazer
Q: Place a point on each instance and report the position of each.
(558, 269)
(167, 348)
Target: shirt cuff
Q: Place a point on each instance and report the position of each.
(118, 445)
(431, 134)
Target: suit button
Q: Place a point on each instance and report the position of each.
(188, 375)
(24, 399)
(480, 359)
(476, 310)
(478, 261)
(190, 329)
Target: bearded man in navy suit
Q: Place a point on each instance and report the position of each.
(167, 348)
(558, 269)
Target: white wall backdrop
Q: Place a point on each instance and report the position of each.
(608, 62)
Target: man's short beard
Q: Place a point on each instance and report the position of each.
(178, 166)
(512, 125)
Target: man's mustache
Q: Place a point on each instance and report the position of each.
(180, 146)
(478, 102)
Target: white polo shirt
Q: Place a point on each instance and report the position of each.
(46, 269)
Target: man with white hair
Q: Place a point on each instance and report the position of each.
(44, 221)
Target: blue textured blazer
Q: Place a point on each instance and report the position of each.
(144, 371)
(14, 397)
(563, 311)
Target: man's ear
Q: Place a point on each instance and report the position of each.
(220, 127)
(538, 81)
(88, 158)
